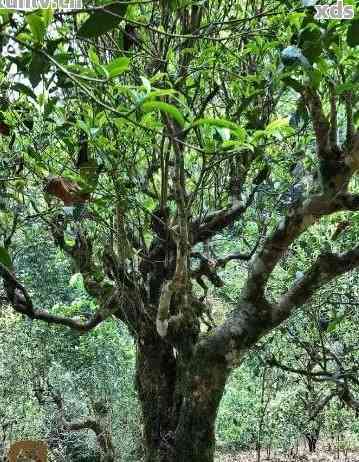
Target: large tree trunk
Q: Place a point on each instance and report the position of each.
(179, 403)
(155, 383)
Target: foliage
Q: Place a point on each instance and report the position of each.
(179, 180)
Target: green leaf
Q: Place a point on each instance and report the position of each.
(278, 124)
(5, 258)
(84, 126)
(100, 119)
(102, 21)
(38, 67)
(101, 71)
(164, 107)
(236, 130)
(315, 77)
(221, 123)
(32, 153)
(37, 27)
(147, 84)
(344, 87)
(47, 15)
(238, 146)
(76, 281)
(93, 56)
(335, 323)
(311, 41)
(117, 67)
(353, 33)
(159, 93)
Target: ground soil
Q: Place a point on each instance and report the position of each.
(320, 456)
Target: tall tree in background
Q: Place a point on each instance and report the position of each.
(181, 107)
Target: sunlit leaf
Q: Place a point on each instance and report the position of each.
(164, 107)
(37, 27)
(278, 125)
(47, 15)
(223, 123)
(76, 281)
(117, 67)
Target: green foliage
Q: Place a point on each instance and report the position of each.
(353, 33)
(5, 258)
(169, 109)
(122, 76)
(37, 27)
(117, 67)
(102, 21)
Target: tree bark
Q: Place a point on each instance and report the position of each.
(195, 434)
(156, 387)
(312, 440)
(179, 403)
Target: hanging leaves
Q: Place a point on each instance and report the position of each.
(102, 20)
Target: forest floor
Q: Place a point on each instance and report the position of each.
(320, 456)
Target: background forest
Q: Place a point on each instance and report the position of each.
(178, 231)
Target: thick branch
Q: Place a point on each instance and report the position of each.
(349, 119)
(215, 222)
(22, 303)
(255, 316)
(320, 376)
(347, 397)
(115, 292)
(320, 122)
(333, 118)
(111, 300)
(97, 424)
(289, 229)
(327, 267)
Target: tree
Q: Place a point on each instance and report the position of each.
(172, 160)
(99, 424)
